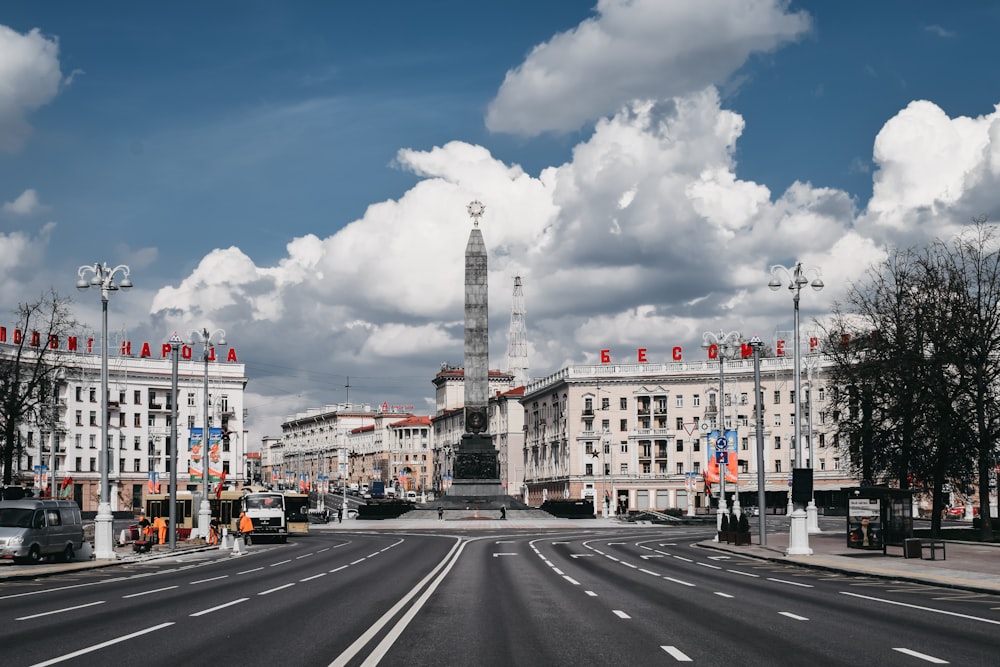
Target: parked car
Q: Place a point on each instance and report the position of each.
(411, 496)
(33, 530)
(752, 511)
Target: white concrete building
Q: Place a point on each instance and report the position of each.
(633, 433)
(139, 420)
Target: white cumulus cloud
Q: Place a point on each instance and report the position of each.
(29, 79)
(637, 49)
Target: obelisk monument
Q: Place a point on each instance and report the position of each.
(477, 471)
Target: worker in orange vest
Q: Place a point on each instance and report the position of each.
(246, 527)
(160, 526)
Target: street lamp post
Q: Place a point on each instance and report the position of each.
(797, 278)
(722, 342)
(757, 344)
(175, 347)
(104, 278)
(207, 350)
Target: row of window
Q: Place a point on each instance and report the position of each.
(137, 397)
(122, 465)
(151, 420)
(661, 468)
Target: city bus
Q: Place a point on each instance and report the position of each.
(225, 506)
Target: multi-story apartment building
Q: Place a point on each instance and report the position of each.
(139, 417)
(386, 443)
(636, 434)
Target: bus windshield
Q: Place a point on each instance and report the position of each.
(264, 501)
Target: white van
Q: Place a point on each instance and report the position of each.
(33, 529)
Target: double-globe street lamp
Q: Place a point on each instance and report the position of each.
(104, 278)
(796, 278)
(722, 342)
(207, 350)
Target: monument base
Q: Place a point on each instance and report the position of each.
(476, 477)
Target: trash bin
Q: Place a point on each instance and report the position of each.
(133, 532)
(912, 547)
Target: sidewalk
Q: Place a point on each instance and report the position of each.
(967, 565)
(125, 554)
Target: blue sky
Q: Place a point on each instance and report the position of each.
(296, 173)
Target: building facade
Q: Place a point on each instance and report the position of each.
(140, 427)
(637, 435)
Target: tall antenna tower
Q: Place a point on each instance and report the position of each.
(517, 339)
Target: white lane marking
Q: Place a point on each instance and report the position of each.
(256, 569)
(620, 614)
(676, 653)
(790, 583)
(63, 588)
(611, 543)
(745, 574)
(655, 574)
(678, 581)
(60, 611)
(581, 555)
(355, 562)
(281, 562)
(571, 580)
(322, 550)
(613, 558)
(276, 588)
(509, 553)
(723, 595)
(718, 558)
(686, 560)
(653, 556)
(634, 567)
(668, 544)
(373, 555)
(793, 616)
(591, 594)
(203, 581)
(155, 590)
(315, 576)
(558, 542)
(714, 567)
(504, 542)
(338, 569)
(922, 656)
(435, 577)
(558, 571)
(221, 606)
(303, 556)
(97, 647)
(916, 606)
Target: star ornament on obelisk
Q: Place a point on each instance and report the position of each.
(476, 462)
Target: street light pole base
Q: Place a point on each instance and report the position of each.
(798, 536)
(104, 533)
(812, 518)
(204, 518)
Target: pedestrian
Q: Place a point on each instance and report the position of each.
(503, 512)
(246, 527)
(145, 532)
(440, 513)
(213, 531)
(340, 515)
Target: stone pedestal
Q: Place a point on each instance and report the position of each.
(476, 473)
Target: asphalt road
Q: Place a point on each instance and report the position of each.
(553, 597)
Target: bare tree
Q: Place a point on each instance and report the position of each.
(30, 363)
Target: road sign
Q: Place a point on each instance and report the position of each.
(721, 445)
